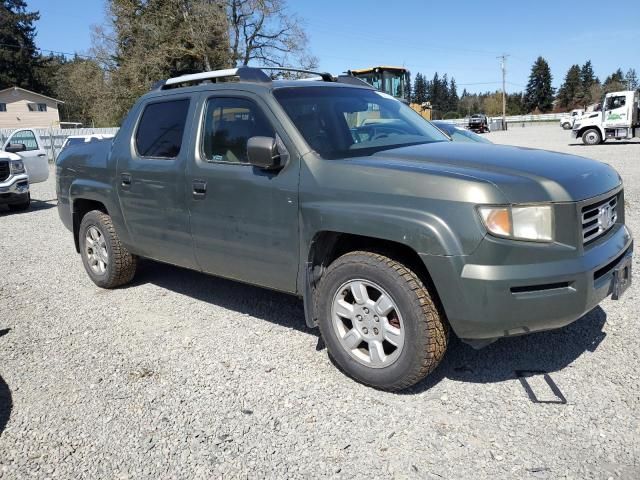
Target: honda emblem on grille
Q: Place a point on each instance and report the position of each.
(606, 216)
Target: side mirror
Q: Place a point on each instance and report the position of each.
(263, 153)
(15, 148)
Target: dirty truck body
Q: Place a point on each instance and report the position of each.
(326, 223)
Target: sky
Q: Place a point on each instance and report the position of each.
(461, 38)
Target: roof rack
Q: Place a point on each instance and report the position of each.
(244, 74)
(249, 74)
(325, 76)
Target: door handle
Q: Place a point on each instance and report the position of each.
(42, 154)
(199, 188)
(126, 180)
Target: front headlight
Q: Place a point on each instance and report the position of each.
(533, 223)
(16, 167)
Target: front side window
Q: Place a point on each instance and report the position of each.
(616, 102)
(3, 107)
(27, 138)
(228, 125)
(349, 122)
(161, 129)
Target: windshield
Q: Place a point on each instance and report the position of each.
(351, 122)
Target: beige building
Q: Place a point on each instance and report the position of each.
(20, 108)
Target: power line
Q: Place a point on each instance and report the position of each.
(54, 52)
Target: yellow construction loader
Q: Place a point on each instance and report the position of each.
(392, 81)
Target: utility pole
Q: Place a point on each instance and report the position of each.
(503, 66)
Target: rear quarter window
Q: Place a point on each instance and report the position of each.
(161, 129)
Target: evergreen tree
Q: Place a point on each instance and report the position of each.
(615, 82)
(569, 91)
(437, 94)
(419, 89)
(408, 94)
(539, 93)
(588, 80)
(444, 95)
(453, 96)
(19, 58)
(631, 78)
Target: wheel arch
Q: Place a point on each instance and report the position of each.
(79, 208)
(590, 127)
(326, 246)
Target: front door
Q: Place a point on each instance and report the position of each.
(34, 157)
(150, 180)
(244, 220)
(616, 112)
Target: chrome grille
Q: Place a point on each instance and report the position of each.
(599, 218)
(4, 170)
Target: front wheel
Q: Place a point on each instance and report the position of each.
(566, 126)
(21, 207)
(379, 322)
(107, 262)
(591, 137)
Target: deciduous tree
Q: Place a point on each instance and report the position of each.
(267, 33)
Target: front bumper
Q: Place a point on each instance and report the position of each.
(14, 189)
(484, 302)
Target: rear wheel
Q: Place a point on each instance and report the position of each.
(566, 126)
(591, 137)
(379, 322)
(107, 262)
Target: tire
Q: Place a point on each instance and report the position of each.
(107, 262)
(21, 207)
(410, 319)
(591, 137)
(566, 126)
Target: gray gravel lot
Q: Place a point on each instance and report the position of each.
(182, 375)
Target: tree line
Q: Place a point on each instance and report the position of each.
(143, 41)
(581, 87)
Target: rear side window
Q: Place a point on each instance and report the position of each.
(161, 129)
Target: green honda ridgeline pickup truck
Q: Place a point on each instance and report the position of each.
(340, 194)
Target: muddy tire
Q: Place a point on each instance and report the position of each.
(107, 262)
(379, 321)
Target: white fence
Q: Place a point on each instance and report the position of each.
(544, 117)
(53, 138)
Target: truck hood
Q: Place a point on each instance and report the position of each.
(521, 174)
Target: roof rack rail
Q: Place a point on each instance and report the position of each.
(244, 74)
(250, 74)
(325, 76)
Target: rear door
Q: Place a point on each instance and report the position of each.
(34, 157)
(150, 178)
(244, 220)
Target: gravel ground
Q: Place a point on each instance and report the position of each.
(187, 376)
